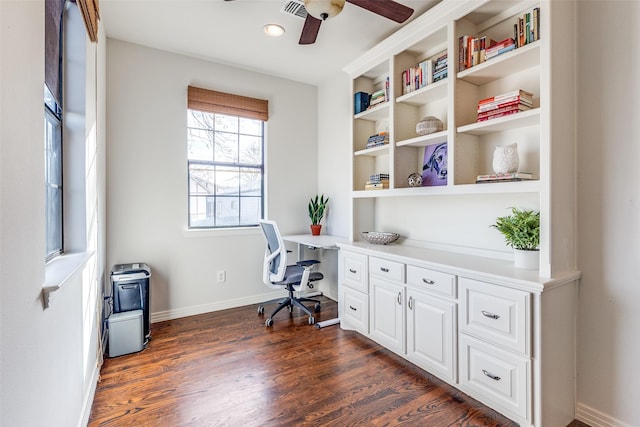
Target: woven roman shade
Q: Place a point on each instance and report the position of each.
(226, 103)
(90, 14)
(52, 24)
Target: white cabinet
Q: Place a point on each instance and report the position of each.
(387, 313)
(495, 344)
(504, 336)
(431, 333)
(353, 283)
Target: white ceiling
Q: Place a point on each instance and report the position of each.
(231, 32)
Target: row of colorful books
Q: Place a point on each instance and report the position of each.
(440, 68)
(378, 181)
(423, 74)
(504, 104)
(504, 177)
(378, 139)
(476, 50)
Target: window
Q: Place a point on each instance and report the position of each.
(53, 128)
(225, 155)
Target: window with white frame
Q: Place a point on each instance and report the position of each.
(225, 155)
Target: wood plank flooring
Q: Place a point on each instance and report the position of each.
(227, 369)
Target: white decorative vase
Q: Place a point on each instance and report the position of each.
(505, 159)
(528, 260)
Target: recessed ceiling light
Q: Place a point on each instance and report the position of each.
(274, 30)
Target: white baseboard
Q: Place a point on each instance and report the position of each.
(88, 398)
(216, 306)
(595, 418)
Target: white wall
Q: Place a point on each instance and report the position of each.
(147, 177)
(48, 358)
(608, 224)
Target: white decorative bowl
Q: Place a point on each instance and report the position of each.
(429, 125)
(379, 237)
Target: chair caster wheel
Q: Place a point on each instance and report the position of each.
(261, 309)
(317, 308)
(268, 322)
(311, 320)
(290, 309)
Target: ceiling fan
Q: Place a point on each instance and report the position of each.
(321, 10)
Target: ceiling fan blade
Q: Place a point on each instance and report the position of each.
(310, 30)
(387, 8)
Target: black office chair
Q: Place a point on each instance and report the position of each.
(277, 274)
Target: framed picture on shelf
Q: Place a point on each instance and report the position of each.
(434, 166)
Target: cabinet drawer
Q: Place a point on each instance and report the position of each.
(355, 310)
(431, 281)
(496, 375)
(354, 271)
(389, 270)
(495, 313)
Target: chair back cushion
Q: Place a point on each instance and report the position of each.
(276, 253)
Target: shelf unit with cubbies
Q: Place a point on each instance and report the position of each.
(546, 145)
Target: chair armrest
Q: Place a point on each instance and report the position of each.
(307, 262)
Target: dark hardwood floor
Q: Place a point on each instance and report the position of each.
(227, 369)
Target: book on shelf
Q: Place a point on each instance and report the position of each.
(474, 50)
(379, 139)
(505, 176)
(519, 95)
(497, 115)
(486, 181)
(496, 105)
(503, 110)
(377, 177)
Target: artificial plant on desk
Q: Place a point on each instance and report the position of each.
(317, 206)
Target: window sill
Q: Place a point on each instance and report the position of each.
(58, 271)
(221, 232)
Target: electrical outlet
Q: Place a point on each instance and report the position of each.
(221, 276)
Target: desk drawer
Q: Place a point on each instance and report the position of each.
(354, 271)
(494, 374)
(355, 310)
(495, 313)
(389, 270)
(432, 281)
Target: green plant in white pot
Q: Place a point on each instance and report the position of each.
(317, 207)
(521, 231)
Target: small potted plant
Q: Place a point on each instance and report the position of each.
(317, 206)
(521, 231)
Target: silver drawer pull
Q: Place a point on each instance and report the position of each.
(351, 270)
(410, 303)
(490, 315)
(428, 282)
(400, 298)
(490, 375)
(353, 308)
(384, 269)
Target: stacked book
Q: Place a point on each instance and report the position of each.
(417, 77)
(499, 48)
(380, 95)
(504, 177)
(440, 68)
(378, 181)
(504, 104)
(377, 97)
(378, 139)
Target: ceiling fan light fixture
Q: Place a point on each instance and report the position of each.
(323, 9)
(274, 30)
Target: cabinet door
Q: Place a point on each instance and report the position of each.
(387, 313)
(430, 333)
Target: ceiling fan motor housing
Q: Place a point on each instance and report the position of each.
(323, 9)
